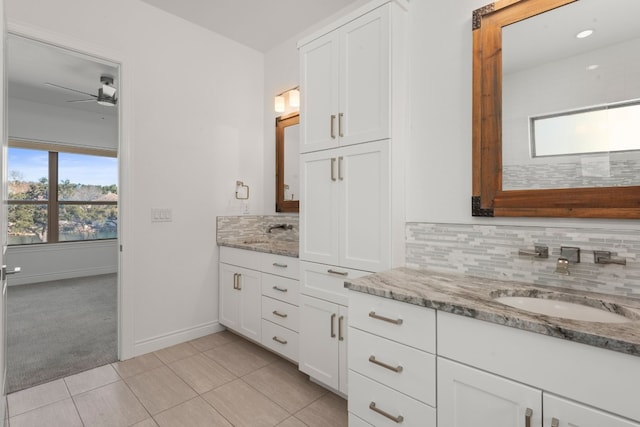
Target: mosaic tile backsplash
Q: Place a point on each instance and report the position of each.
(492, 251)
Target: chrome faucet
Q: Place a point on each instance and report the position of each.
(562, 267)
(283, 226)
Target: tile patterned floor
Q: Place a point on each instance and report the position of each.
(218, 380)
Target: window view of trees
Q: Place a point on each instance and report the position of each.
(68, 210)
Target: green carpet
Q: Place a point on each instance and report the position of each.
(60, 328)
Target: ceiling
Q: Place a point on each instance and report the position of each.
(31, 64)
(259, 24)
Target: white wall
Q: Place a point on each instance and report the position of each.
(195, 114)
(43, 263)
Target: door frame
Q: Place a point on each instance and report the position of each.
(125, 200)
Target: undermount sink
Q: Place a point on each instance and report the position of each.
(560, 305)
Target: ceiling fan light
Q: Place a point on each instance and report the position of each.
(108, 90)
(105, 100)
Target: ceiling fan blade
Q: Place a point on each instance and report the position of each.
(68, 88)
(82, 100)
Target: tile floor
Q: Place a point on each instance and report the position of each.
(217, 380)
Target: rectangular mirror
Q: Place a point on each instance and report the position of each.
(556, 123)
(287, 163)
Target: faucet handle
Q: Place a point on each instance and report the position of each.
(604, 257)
(562, 267)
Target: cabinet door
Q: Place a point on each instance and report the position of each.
(365, 207)
(319, 348)
(319, 89)
(229, 297)
(320, 211)
(364, 113)
(240, 297)
(470, 397)
(572, 414)
(250, 322)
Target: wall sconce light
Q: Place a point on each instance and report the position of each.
(278, 104)
(294, 98)
(293, 94)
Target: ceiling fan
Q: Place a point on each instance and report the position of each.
(106, 93)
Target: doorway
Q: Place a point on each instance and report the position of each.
(62, 224)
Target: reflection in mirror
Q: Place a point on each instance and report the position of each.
(291, 163)
(287, 164)
(531, 76)
(570, 105)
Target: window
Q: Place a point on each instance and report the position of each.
(61, 194)
(602, 129)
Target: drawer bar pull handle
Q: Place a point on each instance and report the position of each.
(333, 330)
(340, 273)
(374, 408)
(279, 340)
(277, 313)
(527, 417)
(375, 361)
(385, 319)
(277, 264)
(275, 288)
(555, 422)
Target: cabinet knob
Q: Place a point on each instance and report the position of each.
(555, 422)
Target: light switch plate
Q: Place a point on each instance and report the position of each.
(161, 215)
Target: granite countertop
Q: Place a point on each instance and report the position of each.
(264, 244)
(474, 297)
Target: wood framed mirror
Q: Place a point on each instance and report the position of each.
(497, 118)
(287, 163)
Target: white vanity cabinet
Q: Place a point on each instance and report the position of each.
(392, 362)
(259, 297)
(346, 199)
(345, 83)
(490, 374)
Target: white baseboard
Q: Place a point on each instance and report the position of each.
(178, 337)
(26, 279)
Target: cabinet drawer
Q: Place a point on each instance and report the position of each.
(280, 313)
(326, 281)
(282, 288)
(417, 376)
(398, 321)
(364, 392)
(240, 257)
(280, 265)
(281, 340)
(357, 422)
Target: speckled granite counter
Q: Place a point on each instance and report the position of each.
(273, 246)
(474, 297)
(252, 233)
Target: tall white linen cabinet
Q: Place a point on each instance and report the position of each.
(353, 90)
